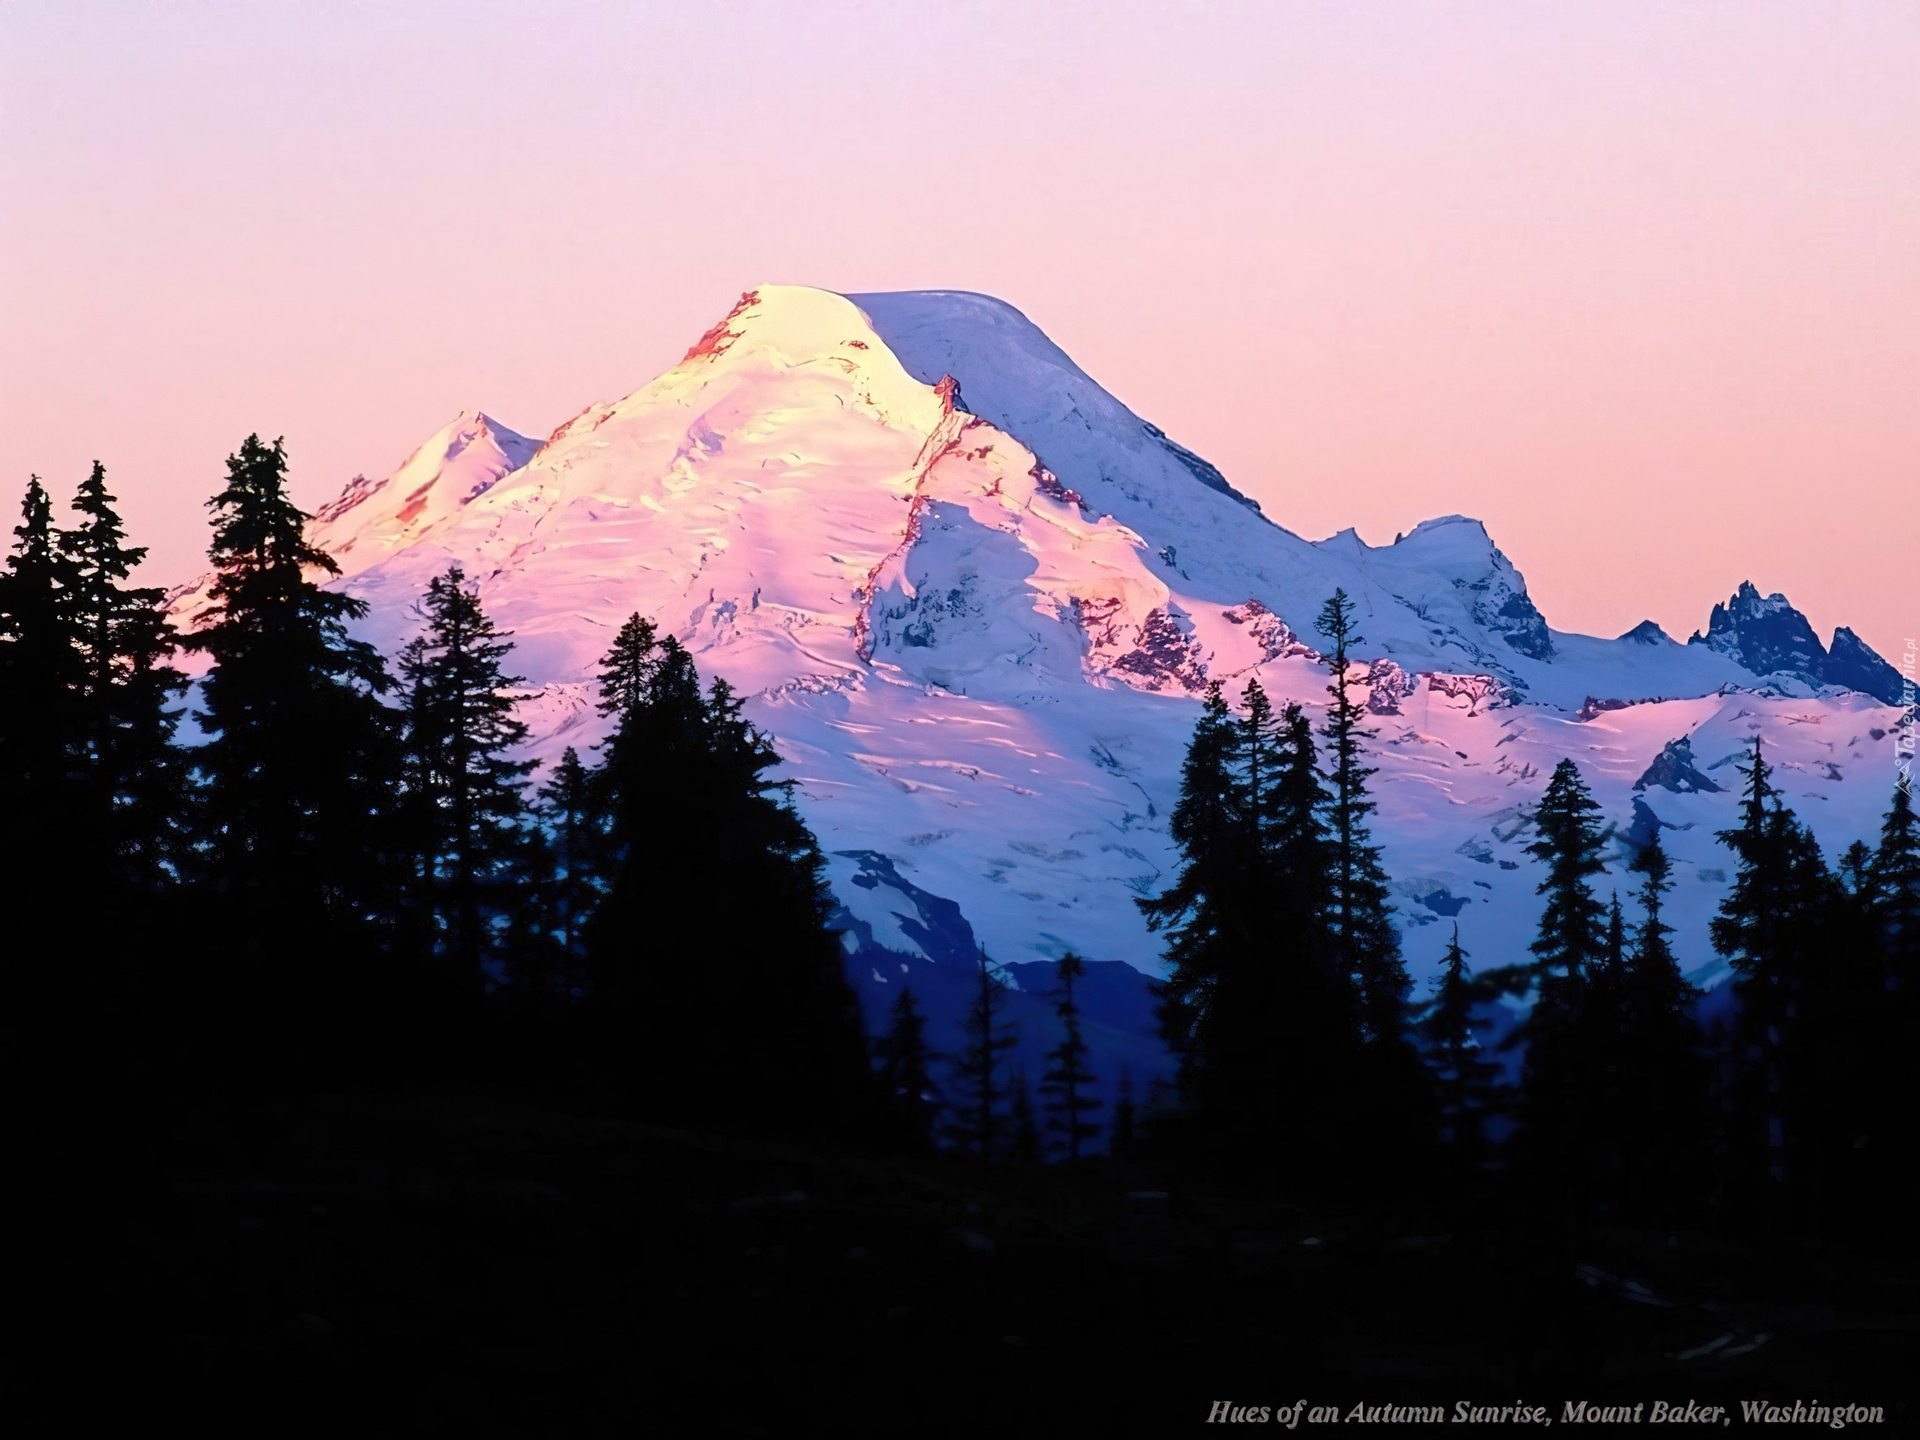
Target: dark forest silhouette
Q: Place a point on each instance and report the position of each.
(350, 880)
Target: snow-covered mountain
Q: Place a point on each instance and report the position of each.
(1769, 637)
(975, 601)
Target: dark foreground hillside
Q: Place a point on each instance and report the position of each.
(472, 1263)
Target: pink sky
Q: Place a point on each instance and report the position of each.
(1638, 286)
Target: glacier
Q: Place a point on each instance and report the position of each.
(975, 601)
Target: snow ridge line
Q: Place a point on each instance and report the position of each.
(943, 441)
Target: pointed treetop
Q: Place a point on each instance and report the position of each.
(627, 670)
(1335, 621)
(256, 525)
(34, 534)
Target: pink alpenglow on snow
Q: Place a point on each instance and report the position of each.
(975, 600)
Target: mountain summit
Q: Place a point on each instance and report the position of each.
(975, 600)
(1769, 637)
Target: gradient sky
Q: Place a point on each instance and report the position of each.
(1637, 285)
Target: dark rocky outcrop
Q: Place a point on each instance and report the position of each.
(1673, 769)
(1769, 637)
(1854, 664)
(1646, 826)
(1765, 635)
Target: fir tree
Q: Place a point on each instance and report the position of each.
(1569, 938)
(1770, 927)
(571, 816)
(719, 983)
(1880, 1125)
(1204, 910)
(1362, 923)
(42, 670)
(1255, 1003)
(43, 790)
(1613, 955)
(300, 765)
(469, 836)
(1652, 956)
(976, 1124)
(92, 804)
(628, 672)
(135, 776)
(1067, 1081)
(1665, 1076)
(1894, 877)
(1463, 1075)
(1569, 1138)
(906, 1081)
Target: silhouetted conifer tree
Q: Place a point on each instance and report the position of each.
(1568, 1135)
(1206, 909)
(572, 818)
(300, 767)
(1894, 904)
(1463, 1075)
(1664, 1073)
(1770, 929)
(1601, 1043)
(975, 1124)
(471, 848)
(91, 845)
(721, 988)
(41, 776)
(1569, 938)
(43, 795)
(906, 1080)
(1067, 1081)
(1614, 954)
(1362, 922)
(135, 776)
(1256, 1004)
(1880, 1123)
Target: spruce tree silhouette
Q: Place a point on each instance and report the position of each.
(1614, 951)
(91, 845)
(1665, 1075)
(1559, 1107)
(1262, 1015)
(721, 989)
(130, 822)
(976, 1125)
(1367, 944)
(1463, 1075)
(573, 820)
(1770, 928)
(1883, 1130)
(1895, 900)
(1205, 910)
(1067, 1080)
(42, 773)
(913, 1102)
(1569, 938)
(136, 779)
(299, 770)
(466, 809)
(1600, 1037)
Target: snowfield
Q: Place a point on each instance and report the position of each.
(975, 600)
